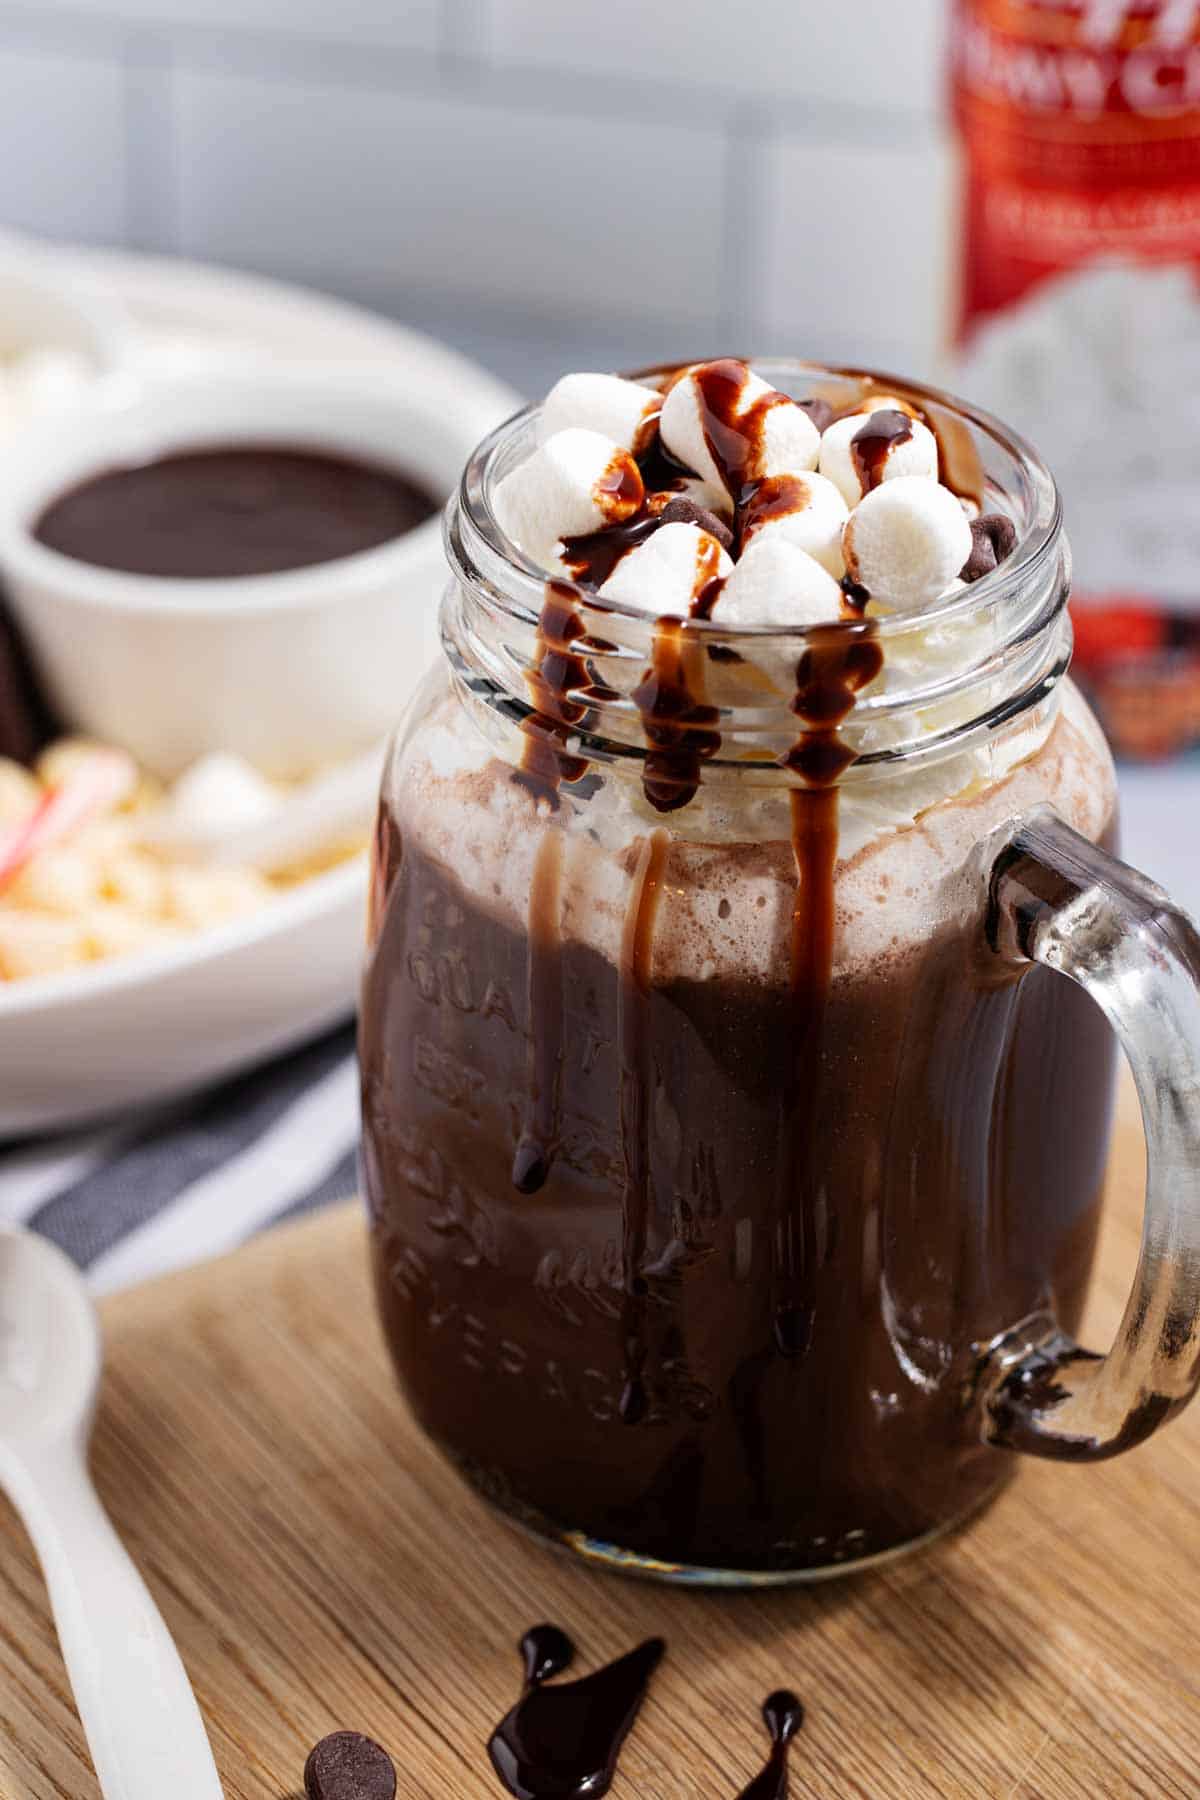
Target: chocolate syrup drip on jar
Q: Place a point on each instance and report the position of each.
(679, 727)
(637, 1078)
(558, 671)
(783, 1716)
(871, 443)
(562, 1743)
(838, 662)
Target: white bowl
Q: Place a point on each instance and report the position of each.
(88, 1042)
(290, 670)
(43, 308)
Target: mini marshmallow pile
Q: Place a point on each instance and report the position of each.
(97, 860)
(756, 514)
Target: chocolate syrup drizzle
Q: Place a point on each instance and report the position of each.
(871, 443)
(562, 1743)
(783, 1716)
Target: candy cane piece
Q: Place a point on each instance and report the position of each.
(97, 784)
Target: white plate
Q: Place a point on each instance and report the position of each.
(121, 1033)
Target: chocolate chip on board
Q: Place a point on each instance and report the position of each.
(685, 512)
(992, 539)
(348, 1766)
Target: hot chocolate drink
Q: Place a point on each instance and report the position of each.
(707, 1144)
(733, 1325)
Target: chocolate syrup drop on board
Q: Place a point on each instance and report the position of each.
(783, 1716)
(562, 1743)
(871, 443)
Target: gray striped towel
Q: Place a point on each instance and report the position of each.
(195, 1178)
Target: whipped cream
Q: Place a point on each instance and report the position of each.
(905, 854)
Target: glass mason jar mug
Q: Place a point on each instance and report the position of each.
(737, 1051)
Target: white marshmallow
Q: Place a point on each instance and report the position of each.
(606, 403)
(777, 583)
(222, 790)
(906, 541)
(914, 455)
(218, 795)
(790, 440)
(577, 482)
(814, 523)
(668, 571)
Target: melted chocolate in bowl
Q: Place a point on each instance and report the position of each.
(231, 510)
(689, 1252)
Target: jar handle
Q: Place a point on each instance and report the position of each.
(1054, 898)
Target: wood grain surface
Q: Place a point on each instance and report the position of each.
(321, 1568)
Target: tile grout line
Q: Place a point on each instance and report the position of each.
(463, 56)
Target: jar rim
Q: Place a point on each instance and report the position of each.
(472, 531)
(980, 658)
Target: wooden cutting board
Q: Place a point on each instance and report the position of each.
(321, 1568)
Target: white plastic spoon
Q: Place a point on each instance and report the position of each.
(143, 1726)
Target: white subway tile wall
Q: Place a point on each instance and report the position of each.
(535, 210)
(872, 53)
(398, 23)
(542, 180)
(62, 143)
(853, 245)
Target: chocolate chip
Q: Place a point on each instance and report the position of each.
(683, 511)
(992, 538)
(348, 1766)
(819, 411)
